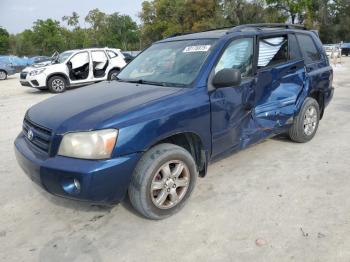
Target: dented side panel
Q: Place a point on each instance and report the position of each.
(277, 92)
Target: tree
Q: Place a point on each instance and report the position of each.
(162, 18)
(48, 36)
(72, 20)
(295, 9)
(122, 31)
(4, 41)
(98, 30)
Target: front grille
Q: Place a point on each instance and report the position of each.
(23, 75)
(41, 136)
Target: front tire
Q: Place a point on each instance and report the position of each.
(3, 75)
(162, 181)
(57, 84)
(306, 123)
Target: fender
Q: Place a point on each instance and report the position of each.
(58, 74)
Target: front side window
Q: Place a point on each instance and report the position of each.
(175, 63)
(273, 51)
(308, 48)
(238, 55)
(64, 56)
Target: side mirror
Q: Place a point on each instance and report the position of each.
(227, 77)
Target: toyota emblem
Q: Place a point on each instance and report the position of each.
(30, 134)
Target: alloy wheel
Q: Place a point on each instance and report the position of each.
(2, 75)
(170, 184)
(310, 121)
(58, 85)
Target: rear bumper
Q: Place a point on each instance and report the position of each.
(101, 181)
(328, 96)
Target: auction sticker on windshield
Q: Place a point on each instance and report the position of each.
(196, 48)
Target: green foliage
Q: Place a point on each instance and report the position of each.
(4, 41)
(162, 18)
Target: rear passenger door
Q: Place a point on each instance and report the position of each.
(280, 80)
(318, 69)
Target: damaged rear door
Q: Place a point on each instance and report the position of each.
(281, 77)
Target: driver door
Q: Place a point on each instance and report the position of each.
(230, 106)
(79, 68)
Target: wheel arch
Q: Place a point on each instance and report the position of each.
(319, 97)
(58, 74)
(114, 68)
(193, 144)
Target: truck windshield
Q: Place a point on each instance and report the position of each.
(174, 63)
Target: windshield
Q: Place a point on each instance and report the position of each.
(174, 63)
(63, 56)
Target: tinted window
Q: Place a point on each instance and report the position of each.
(294, 50)
(273, 51)
(238, 55)
(308, 48)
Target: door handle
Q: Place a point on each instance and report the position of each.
(292, 69)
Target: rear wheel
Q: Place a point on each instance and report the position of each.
(57, 84)
(113, 74)
(3, 75)
(162, 181)
(306, 123)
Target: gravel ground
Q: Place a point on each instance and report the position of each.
(276, 201)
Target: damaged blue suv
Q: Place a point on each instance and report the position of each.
(182, 103)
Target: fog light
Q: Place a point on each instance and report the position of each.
(77, 184)
(71, 186)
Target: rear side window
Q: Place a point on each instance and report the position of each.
(294, 50)
(273, 51)
(308, 49)
(111, 54)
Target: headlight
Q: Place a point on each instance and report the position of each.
(36, 72)
(89, 145)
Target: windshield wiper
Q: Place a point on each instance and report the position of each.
(147, 82)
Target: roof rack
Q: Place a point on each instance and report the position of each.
(265, 25)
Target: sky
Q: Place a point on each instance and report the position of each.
(17, 15)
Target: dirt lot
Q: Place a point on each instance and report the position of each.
(276, 201)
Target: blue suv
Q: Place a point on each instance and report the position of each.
(182, 103)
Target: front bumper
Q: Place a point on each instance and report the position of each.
(37, 81)
(101, 181)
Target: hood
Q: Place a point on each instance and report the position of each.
(88, 107)
(39, 65)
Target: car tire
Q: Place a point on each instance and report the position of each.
(112, 75)
(3, 75)
(306, 122)
(153, 191)
(57, 84)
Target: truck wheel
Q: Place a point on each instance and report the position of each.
(57, 84)
(306, 123)
(162, 181)
(112, 75)
(3, 75)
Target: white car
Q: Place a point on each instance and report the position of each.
(74, 68)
